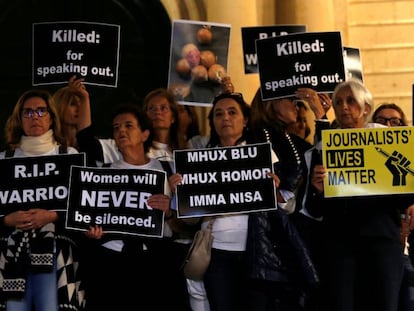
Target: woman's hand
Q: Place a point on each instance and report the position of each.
(94, 232)
(276, 179)
(32, 219)
(318, 102)
(78, 85)
(226, 85)
(317, 177)
(326, 101)
(174, 180)
(161, 202)
(409, 217)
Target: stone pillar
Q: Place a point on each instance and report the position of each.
(237, 13)
(317, 15)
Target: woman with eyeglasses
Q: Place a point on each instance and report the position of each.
(363, 257)
(389, 114)
(39, 258)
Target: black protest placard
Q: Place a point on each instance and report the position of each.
(88, 50)
(224, 180)
(36, 182)
(311, 59)
(353, 63)
(115, 199)
(251, 34)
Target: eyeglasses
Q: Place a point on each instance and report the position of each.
(40, 111)
(393, 121)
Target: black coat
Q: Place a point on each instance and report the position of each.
(275, 251)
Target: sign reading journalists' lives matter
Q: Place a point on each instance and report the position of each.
(115, 199)
(369, 161)
(224, 180)
(36, 182)
(88, 50)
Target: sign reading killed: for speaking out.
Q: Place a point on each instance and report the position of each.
(88, 50)
(311, 59)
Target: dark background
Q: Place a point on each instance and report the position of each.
(144, 50)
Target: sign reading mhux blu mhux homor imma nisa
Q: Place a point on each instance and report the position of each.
(225, 180)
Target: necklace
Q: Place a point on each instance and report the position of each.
(295, 151)
(289, 139)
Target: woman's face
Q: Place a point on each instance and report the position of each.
(286, 111)
(347, 110)
(127, 132)
(184, 118)
(301, 126)
(32, 123)
(159, 112)
(388, 117)
(228, 121)
(71, 112)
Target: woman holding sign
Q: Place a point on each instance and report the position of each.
(282, 273)
(136, 269)
(364, 266)
(225, 279)
(36, 251)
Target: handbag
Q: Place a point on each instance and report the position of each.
(198, 256)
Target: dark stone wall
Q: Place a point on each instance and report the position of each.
(144, 50)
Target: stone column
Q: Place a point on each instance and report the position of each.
(237, 13)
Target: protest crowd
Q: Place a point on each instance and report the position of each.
(124, 210)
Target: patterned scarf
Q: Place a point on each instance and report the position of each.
(27, 251)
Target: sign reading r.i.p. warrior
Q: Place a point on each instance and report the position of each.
(224, 180)
(36, 182)
(310, 59)
(87, 50)
(115, 199)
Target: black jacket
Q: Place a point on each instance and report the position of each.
(275, 251)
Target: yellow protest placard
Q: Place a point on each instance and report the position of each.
(368, 161)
